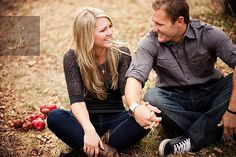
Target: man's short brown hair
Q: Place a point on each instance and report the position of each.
(173, 8)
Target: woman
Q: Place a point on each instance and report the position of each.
(95, 76)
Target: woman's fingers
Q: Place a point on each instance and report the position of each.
(91, 151)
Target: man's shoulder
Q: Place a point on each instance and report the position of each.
(210, 30)
(148, 39)
(197, 23)
(150, 35)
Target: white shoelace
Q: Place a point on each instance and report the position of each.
(182, 146)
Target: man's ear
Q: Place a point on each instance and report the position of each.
(180, 21)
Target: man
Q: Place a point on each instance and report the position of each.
(194, 98)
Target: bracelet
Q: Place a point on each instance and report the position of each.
(231, 111)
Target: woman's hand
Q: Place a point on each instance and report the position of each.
(92, 143)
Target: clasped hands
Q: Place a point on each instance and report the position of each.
(146, 116)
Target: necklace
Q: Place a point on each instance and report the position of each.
(103, 67)
(103, 71)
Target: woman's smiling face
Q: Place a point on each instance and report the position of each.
(103, 33)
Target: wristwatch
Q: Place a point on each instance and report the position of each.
(132, 108)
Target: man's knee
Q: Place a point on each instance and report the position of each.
(153, 97)
(150, 95)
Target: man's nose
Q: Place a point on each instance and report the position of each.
(155, 28)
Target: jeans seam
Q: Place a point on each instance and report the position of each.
(113, 130)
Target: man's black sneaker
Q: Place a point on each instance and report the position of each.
(174, 146)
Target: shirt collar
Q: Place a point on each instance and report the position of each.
(190, 32)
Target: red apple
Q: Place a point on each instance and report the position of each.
(27, 125)
(52, 106)
(45, 111)
(39, 124)
(31, 117)
(46, 108)
(42, 116)
(43, 106)
(17, 123)
(35, 116)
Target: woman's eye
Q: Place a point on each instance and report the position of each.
(103, 30)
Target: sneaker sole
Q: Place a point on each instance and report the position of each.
(162, 146)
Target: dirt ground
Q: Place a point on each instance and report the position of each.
(28, 81)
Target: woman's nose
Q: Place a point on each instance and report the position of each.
(109, 32)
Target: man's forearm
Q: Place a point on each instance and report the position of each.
(133, 91)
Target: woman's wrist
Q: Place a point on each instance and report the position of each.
(89, 128)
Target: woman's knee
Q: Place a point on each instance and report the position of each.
(55, 116)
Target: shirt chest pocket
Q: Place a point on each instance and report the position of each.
(166, 64)
(202, 64)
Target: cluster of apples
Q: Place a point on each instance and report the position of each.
(36, 120)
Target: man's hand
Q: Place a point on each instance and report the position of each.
(228, 121)
(145, 115)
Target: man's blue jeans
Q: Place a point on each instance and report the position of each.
(124, 130)
(194, 112)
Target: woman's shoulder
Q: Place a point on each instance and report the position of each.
(70, 54)
(124, 51)
(70, 57)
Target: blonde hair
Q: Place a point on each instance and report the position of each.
(83, 31)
